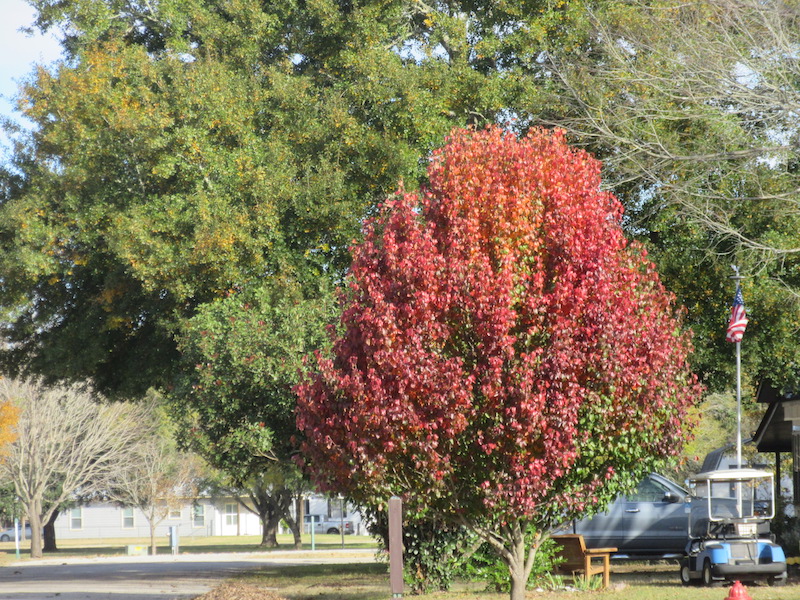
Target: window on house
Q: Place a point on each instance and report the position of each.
(231, 514)
(76, 518)
(174, 513)
(127, 517)
(198, 515)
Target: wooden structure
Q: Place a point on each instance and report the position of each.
(578, 558)
(396, 546)
(779, 431)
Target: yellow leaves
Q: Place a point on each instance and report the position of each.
(9, 415)
(108, 296)
(117, 322)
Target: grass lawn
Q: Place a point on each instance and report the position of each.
(371, 582)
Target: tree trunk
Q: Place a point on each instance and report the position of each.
(271, 508)
(520, 560)
(35, 519)
(153, 545)
(269, 533)
(518, 584)
(295, 524)
(50, 533)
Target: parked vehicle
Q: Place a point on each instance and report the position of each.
(7, 535)
(649, 523)
(323, 524)
(727, 540)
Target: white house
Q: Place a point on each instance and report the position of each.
(201, 517)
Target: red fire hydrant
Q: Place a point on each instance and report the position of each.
(738, 592)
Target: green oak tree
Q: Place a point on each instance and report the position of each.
(234, 399)
(186, 147)
(187, 154)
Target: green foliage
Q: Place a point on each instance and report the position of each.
(233, 396)
(436, 553)
(241, 358)
(187, 147)
(700, 279)
(485, 565)
(715, 427)
(10, 505)
(433, 554)
(787, 533)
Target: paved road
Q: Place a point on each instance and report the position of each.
(146, 578)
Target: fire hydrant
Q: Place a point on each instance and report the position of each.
(738, 592)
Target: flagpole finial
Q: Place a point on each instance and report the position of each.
(736, 276)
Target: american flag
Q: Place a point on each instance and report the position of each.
(738, 322)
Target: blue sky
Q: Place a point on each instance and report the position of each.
(19, 53)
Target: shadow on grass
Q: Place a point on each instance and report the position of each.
(656, 575)
(324, 546)
(369, 571)
(367, 581)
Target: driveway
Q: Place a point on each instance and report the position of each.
(163, 577)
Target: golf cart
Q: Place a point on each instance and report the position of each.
(729, 529)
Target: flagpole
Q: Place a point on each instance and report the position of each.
(739, 404)
(737, 278)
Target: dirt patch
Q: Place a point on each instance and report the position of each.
(240, 591)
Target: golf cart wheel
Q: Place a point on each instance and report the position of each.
(685, 575)
(333, 530)
(707, 577)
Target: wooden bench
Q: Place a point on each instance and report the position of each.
(578, 558)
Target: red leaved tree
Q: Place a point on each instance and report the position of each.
(504, 357)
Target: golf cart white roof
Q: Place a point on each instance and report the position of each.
(730, 475)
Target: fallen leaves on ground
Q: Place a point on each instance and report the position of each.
(239, 591)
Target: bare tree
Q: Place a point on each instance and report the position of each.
(695, 106)
(67, 443)
(159, 479)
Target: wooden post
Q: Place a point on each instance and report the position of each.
(396, 546)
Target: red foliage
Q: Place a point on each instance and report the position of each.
(501, 346)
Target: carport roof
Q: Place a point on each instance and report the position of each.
(774, 433)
